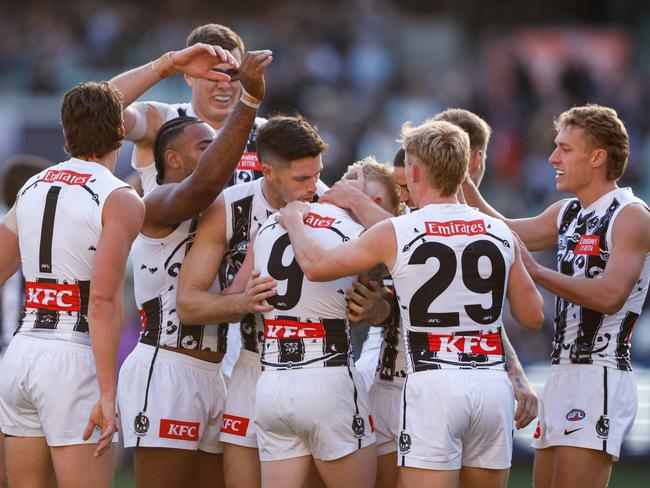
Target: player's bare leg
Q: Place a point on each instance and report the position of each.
(286, 473)
(314, 481)
(543, 467)
(28, 462)
(3, 467)
(431, 478)
(241, 466)
(157, 466)
(576, 467)
(75, 466)
(387, 470)
(483, 478)
(356, 470)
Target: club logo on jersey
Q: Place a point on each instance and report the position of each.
(404, 443)
(180, 430)
(456, 228)
(318, 222)
(249, 161)
(575, 415)
(602, 427)
(589, 244)
(466, 344)
(66, 176)
(291, 329)
(141, 424)
(231, 424)
(358, 426)
(52, 296)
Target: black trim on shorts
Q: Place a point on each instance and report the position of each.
(605, 403)
(404, 417)
(356, 405)
(146, 393)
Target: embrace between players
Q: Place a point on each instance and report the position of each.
(248, 271)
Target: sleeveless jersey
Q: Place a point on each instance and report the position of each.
(391, 367)
(451, 275)
(582, 335)
(249, 168)
(246, 211)
(59, 216)
(308, 327)
(156, 267)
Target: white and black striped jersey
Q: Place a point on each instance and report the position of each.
(156, 267)
(391, 367)
(248, 169)
(59, 216)
(451, 274)
(582, 335)
(308, 327)
(246, 211)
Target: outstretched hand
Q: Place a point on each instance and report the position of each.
(251, 72)
(198, 60)
(102, 416)
(258, 289)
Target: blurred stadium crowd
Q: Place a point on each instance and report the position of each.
(359, 69)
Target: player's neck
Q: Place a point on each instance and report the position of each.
(271, 197)
(431, 196)
(109, 161)
(214, 123)
(594, 191)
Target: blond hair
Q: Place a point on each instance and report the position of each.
(477, 129)
(443, 148)
(373, 170)
(604, 130)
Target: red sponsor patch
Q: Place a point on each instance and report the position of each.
(52, 296)
(588, 244)
(290, 329)
(466, 344)
(66, 176)
(456, 228)
(372, 423)
(143, 319)
(538, 432)
(231, 424)
(178, 429)
(318, 222)
(249, 161)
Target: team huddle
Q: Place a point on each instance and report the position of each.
(249, 273)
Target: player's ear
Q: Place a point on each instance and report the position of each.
(599, 158)
(173, 158)
(189, 80)
(475, 162)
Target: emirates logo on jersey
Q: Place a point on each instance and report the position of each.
(66, 176)
(52, 296)
(589, 245)
(249, 161)
(466, 344)
(456, 227)
(291, 329)
(318, 222)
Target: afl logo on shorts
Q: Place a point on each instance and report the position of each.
(141, 424)
(358, 426)
(404, 443)
(602, 427)
(575, 415)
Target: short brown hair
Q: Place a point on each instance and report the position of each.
(17, 170)
(216, 35)
(604, 130)
(373, 170)
(285, 138)
(443, 148)
(91, 114)
(477, 129)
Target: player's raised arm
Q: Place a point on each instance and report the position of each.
(526, 301)
(170, 205)
(9, 250)
(375, 246)
(123, 215)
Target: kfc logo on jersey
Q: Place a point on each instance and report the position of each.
(589, 244)
(52, 296)
(456, 228)
(290, 329)
(231, 424)
(66, 176)
(318, 222)
(249, 161)
(466, 344)
(178, 429)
